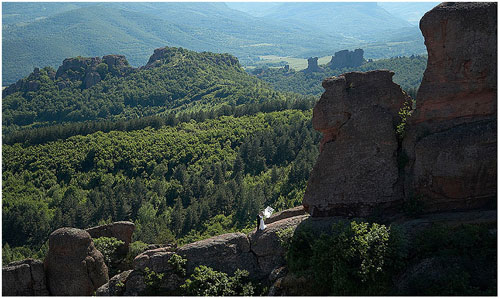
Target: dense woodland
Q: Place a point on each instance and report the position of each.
(187, 148)
(408, 73)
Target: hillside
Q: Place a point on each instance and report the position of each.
(170, 181)
(174, 79)
(38, 35)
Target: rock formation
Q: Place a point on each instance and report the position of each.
(312, 65)
(91, 70)
(267, 247)
(24, 278)
(260, 253)
(346, 58)
(121, 230)
(356, 171)
(74, 267)
(447, 160)
(224, 253)
(452, 136)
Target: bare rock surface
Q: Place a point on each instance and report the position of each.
(266, 244)
(24, 278)
(356, 171)
(452, 138)
(115, 286)
(224, 253)
(460, 80)
(74, 267)
(296, 211)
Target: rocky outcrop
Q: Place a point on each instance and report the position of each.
(312, 65)
(121, 230)
(346, 58)
(30, 83)
(297, 211)
(356, 171)
(91, 70)
(115, 286)
(452, 138)
(266, 244)
(74, 267)
(225, 253)
(24, 278)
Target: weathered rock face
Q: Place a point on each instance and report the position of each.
(346, 58)
(115, 286)
(312, 65)
(87, 69)
(121, 230)
(266, 245)
(297, 211)
(357, 169)
(460, 81)
(452, 135)
(224, 253)
(24, 278)
(74, 267)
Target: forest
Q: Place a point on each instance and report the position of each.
(187, 148)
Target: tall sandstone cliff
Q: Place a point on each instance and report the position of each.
(447, 160)
(452, 138)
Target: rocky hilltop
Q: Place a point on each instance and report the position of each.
(88, 70)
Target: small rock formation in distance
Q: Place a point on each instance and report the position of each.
(312, 65)
(346, 58)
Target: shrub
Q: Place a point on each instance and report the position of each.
(353, 260)
(178, 264)
(207, 282)
(107, 246)
(135, 249)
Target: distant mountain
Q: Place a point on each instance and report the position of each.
(41, 34)
(365, 21)
(412, 12)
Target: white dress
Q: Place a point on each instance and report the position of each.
(262, 226)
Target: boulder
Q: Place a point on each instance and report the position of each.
(115, 286)
(266, 244)
(121, 230)
(356, 173)
(24, 278)
(154, 259)
(74, 267)
(452, 138)
(225, 253)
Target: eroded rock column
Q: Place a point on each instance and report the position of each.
(356, 171)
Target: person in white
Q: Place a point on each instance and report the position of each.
(264, 214)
